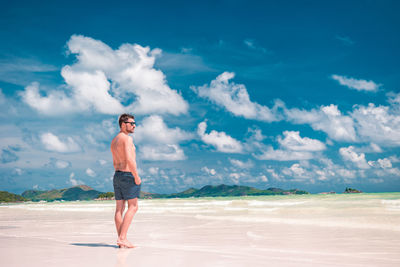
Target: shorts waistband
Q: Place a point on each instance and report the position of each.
(122, 172)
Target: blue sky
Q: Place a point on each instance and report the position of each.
(289, 94)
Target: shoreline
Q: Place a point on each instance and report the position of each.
(205, 197)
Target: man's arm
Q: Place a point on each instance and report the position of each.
(130, 156)
(113, 156)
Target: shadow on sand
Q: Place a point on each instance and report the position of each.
(94, 245)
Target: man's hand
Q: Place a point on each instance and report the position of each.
(138, 181)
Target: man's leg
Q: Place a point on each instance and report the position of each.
(119, 211)
(132, 208)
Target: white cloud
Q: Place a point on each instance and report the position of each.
(100, 134)
(378, 124)
(387, 172)
(55, 103)
(345, 40)
(325, 170)
(328, 119)
(322, 175)
(61, 164)
(384, 163)
(274, 174)
(182, 63)
(235, 98)
(102, 162)
(24, 65)
(376, 148)
(209, 171)
(235, 176)
(293, 141)
(242, 164)
(283, 155)
(153, 170)
(359, 85)
(331, 170)
(73, 181)
(91, 90)
(168, 152)
(90, 172)
(263, 178)
(394, 171)
(158, 142)
(297, 173)
(297, 170)
(376, 181)
(20, 71)
(220, 140)
(53, 143)
(345, 173)
(254, 140)
(186, 50)
(394, 99)
(17, 171)
(394, 159)
(250, 43)
(293, 147)
(349, 154)
(102, 78)
(154, 130)
(58, 163)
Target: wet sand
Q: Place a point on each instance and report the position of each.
(199, 233)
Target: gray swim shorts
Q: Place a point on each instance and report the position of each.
(124, 186)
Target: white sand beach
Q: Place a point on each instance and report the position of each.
(313, 230)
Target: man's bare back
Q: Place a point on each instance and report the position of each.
(124, 155)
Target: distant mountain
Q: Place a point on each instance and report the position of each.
(84, 192)
(30, 194)
(225, 191)
(79, 192)
(10, 197)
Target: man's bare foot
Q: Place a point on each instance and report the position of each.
(124, 243)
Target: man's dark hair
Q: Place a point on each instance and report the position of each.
(124, 117)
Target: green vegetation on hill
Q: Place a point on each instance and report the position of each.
(84, 192)
(30, 194)
(10, 197)
(80, 192)
(225, 191)
(77, 193)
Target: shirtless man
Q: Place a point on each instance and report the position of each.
(126, 178)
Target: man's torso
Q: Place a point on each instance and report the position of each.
(118, 149)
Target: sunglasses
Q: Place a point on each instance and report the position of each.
(131, 122)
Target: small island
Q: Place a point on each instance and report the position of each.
(351, 191)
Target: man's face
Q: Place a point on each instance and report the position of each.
(129, 127)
